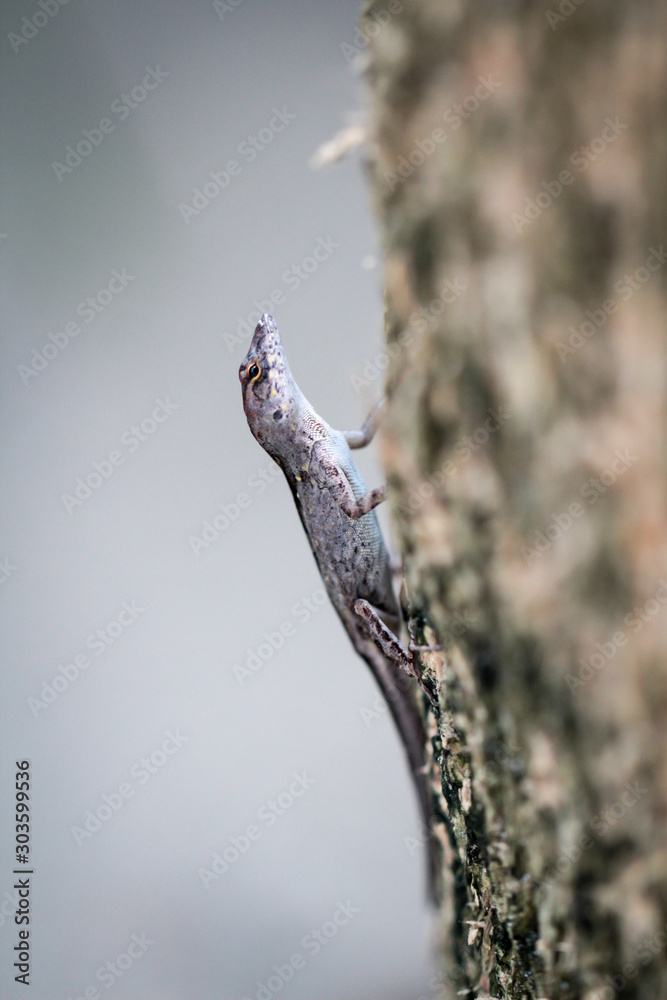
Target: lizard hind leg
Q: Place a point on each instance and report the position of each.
(387, 643)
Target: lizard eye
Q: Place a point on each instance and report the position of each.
(254, 371)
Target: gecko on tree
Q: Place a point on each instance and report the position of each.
(337, 513)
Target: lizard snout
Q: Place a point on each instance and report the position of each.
(267, 324)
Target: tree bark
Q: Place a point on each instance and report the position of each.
(517, 160)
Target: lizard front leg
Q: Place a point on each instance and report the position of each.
(329, 475)
(359, 439)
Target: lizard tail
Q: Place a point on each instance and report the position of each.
(396, 688)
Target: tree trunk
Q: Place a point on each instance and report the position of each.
(518, 157)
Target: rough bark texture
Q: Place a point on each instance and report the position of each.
(525, 451)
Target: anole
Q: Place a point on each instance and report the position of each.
(337, 512)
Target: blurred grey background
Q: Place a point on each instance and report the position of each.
(128, 301)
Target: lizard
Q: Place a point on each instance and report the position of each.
(337, 513)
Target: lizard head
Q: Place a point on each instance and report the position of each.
(266, 381)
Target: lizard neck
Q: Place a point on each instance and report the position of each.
(290, 436)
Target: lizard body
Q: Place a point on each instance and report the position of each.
(337, 513)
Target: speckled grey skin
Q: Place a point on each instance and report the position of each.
(336, 511)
